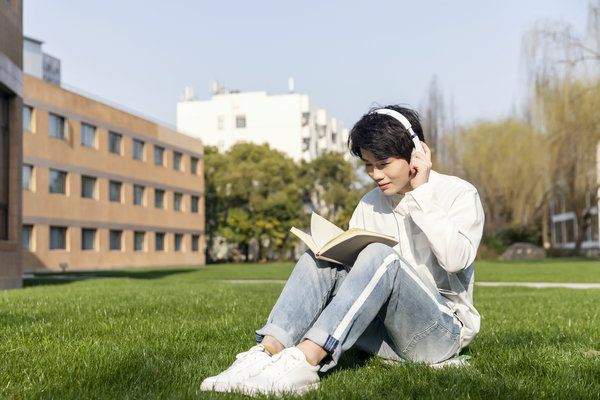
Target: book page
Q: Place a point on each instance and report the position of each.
(346, 250)
(306, 238)
(323, 231)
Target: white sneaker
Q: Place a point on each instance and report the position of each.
(246, 365)
(288, 373)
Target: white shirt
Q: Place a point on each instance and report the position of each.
(438, 227)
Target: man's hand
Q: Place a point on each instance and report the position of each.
(420, 167)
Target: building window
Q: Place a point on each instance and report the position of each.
(159, 197)
(88, 135)
(28, 237)
(305, 118)
(115, 240)
(570, 230)
(193, 165)
(56, 126)
(27, 177)
(305, 144)
(195, 242)
(159, 241)
(138, 149)
(27, 118)
(114, 191)
(220, 122)
(138, 195)
(114, 142)
(138, 241)
(58, 238)
(57, 181)
(176, 160)
(177, 201)
(159, 155)
(88, 238)
(594, 227)
(88, 187)
(240, 121)
(194, 205)
(178, 240)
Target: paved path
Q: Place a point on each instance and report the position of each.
(541, 285)
(537, 285)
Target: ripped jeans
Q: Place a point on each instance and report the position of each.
(380, 305)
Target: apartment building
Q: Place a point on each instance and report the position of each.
(103, 188)
(290, 122)
(11, 103)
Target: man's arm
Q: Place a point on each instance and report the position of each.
(453, 232)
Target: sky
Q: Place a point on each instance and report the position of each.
(348, 56)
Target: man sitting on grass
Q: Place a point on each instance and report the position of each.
(411, 302)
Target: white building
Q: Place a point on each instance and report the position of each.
(564, 222)
(291, 123)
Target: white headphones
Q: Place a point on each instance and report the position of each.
(402, 119)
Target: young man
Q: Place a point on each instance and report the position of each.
(411, 302)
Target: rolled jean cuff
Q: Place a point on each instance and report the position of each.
(328, 343)
(273, 330)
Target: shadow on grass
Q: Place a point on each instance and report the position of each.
(70, 277)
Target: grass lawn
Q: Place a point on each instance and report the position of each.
(157, 333)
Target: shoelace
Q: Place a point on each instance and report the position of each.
(241, 357)
(288, 361)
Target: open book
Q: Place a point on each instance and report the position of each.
(330, 243)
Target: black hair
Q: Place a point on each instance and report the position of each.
(383, 135)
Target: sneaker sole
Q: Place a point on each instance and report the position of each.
(222, 387)
(254, 391)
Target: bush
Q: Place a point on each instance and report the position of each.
(494, 244)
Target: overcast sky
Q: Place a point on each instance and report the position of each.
(346, 55)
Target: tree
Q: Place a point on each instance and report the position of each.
(434, 120)
(566, 93)
(504, 160)
(328, 186)
(254, 195)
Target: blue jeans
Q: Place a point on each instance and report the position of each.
(380, 305)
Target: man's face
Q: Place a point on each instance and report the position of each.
(392, 174)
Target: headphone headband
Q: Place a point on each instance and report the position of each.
(405, 123)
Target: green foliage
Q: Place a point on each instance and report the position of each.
(258, 193)
(493, 156)
(329, 182)
(498, 242)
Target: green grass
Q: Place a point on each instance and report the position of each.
(157, 333)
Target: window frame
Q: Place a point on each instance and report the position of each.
(51, 188)
(87, 135)
(137, 144)
(112, 198)
(30, 187)
(111, 234)
(92, 179)
(63, 238)
(91, 231)
(51, 125)
(161, 151)
(111, 140)
(177, 158)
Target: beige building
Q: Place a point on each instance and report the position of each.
(103, 188)
(11, 93)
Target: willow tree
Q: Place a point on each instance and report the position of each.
(504, 160)
(566, 98)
